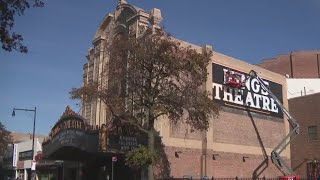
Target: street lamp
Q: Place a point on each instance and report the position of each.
(34, 128)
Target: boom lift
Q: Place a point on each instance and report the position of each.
(294, 130)
(237, 80)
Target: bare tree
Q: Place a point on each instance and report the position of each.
(151, 77)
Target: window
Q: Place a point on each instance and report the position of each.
(25, 155)
(312, 133)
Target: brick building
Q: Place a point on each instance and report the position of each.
(305, 148)
(297, 64)
(237, 143)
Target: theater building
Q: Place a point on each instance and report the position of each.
(237, 143)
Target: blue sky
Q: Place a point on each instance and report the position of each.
(59, 35)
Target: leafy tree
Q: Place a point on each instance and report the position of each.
(8, 10)
(151, 77)
(140, 157)
(5, 139)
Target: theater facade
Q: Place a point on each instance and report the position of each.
(76, 150)
(237, 143)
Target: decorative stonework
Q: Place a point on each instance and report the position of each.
(156, 17)
(103, 138)
(126, 19)
(121, 2)
(68, 112)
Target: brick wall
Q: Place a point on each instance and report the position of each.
(304, 64)
(280, 65)
(234, 135)
(236, 128)
(306, 111)
(222, 165)
(233, 164)
(183, 130)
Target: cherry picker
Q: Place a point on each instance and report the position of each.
(236, 80)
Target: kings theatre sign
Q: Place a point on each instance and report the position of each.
(250, 96)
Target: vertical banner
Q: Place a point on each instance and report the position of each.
(15, 155)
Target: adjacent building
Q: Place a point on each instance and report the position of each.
(298, 87)
(296, 64)
(303, 91)
(305, 152)
(301, 68)
(18, 160)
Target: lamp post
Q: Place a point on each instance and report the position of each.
(34, 128)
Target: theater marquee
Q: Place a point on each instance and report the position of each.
(71, 132)
(250, 96)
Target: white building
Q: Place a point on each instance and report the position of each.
(22, 157)
(302, 86)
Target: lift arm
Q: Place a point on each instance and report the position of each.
(294, 130)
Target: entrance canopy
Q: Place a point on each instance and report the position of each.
(72, 138)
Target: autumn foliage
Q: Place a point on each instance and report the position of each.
(151, 77)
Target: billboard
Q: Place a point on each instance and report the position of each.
(245, 93)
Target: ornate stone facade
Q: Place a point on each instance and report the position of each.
(126, 20)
